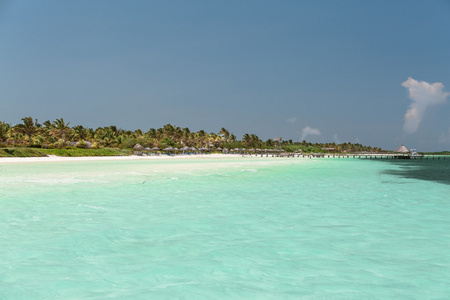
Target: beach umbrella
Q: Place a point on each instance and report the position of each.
(193, 149)
(168, 149)
(184, 149)
(219, 149)
(155, 149)
(147, 148)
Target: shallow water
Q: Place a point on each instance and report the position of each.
(244, 228)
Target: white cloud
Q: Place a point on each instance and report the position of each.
(423, 95)
(309, 131)
(291, 120)
(445, 138)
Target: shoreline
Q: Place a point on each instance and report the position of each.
(55, 158)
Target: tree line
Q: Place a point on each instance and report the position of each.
(58, 134)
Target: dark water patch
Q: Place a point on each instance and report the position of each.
(393, 182)
(430, 170)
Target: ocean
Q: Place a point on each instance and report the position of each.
(225, 228)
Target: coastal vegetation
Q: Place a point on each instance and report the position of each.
(31, 138)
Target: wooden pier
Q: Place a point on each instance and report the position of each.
(358, 156)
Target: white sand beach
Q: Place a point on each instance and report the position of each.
(54, 158)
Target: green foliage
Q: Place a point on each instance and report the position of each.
(76, 152)
(4, 127)
(58, 134)
(166, 142)
(81, 145)
(21, 152)
(233, 145)
(131, 142)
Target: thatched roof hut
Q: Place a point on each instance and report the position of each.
(402, 149)
(138, 147)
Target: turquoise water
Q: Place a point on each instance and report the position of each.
(244, 228)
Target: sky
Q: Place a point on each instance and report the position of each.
(369, 72)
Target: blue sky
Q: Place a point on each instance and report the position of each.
(273, 68)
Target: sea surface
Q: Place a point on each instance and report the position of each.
(225, 228)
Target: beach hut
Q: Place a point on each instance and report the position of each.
(402, 149)
(138, 149)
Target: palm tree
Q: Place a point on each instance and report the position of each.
(151, 133)
(255, 141)
(60, 128)
(4, 127)
(29, 127)
(169, 130)
(80, 132)
(270, 143)
(225, 133)
(247, 139)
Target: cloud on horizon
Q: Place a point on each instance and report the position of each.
(423, 95)
(309, 131)
(291, 120)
